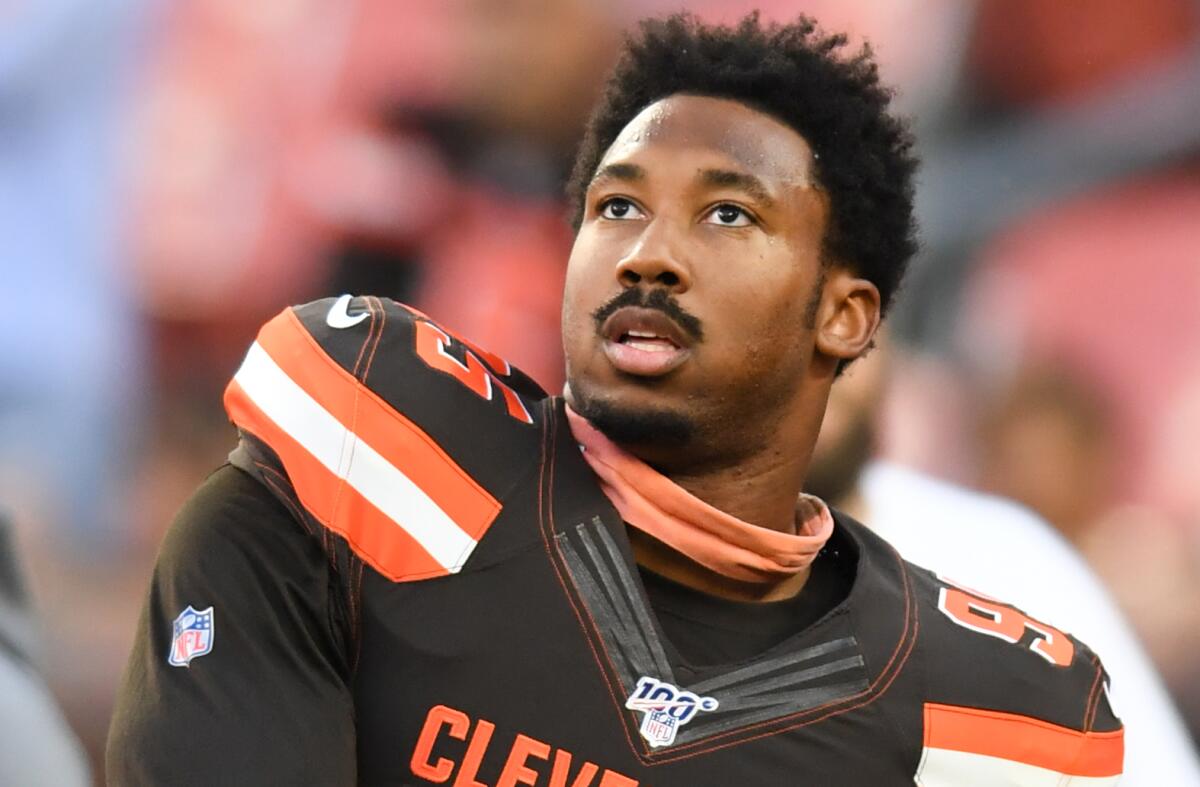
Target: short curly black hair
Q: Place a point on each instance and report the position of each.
(863, 155)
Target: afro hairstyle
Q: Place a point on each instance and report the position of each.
(797, 74)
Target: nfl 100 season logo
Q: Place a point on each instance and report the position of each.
(666, 709)
(192, 636)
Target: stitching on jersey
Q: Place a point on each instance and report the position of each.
(631, 605)
(627, 630)
(356, 593)
(281, 493)
(355, 613)
(399, 419)
(364, 554)
(925, 737)
(1093, 703)
(301, 514)
(754, 670)
(354, 568)
(363, 347)
(351, 604)
(361, 390)
(546, 524)
(382, 324)
(280, 485)
(882, 683)
(870, 697)
(640, 654)
(352, 430)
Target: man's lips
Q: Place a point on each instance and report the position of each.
(645, 342)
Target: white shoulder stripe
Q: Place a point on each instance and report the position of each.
(948, 768)
(350, 457)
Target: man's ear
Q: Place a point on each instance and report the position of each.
(848, 316)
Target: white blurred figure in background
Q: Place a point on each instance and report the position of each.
(1002, 550)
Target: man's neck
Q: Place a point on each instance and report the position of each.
(652, 554)
(760, 483)
(761, 490)
(761, 487)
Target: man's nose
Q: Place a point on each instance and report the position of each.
(656, 259)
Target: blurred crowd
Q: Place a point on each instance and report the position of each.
(173, 174)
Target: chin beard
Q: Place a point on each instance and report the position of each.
(630, 426)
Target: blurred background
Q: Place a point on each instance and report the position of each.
(173, 174)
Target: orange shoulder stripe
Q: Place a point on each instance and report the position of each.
(1023, 739)
(358, 465)
(376, 539)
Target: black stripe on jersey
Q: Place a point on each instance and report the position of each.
(628, 598)
(766, 690)
(756, 669)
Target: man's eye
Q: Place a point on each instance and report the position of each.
(619, 208)
(729, 216)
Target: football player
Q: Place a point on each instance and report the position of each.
(420, 569)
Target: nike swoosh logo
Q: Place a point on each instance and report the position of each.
(339, 314)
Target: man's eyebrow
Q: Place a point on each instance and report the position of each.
(744, 181)
(622, 172)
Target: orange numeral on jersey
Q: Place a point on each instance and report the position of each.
(431, 347)
(1004, 622)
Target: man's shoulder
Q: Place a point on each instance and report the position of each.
(386, 428)
(990, 667)
(991, 690)
(372, 367)
(962, 628)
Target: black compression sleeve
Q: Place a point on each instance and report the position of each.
(270, 702)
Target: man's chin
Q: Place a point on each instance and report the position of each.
(630, 423)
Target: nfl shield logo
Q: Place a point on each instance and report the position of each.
(192, 637)
(666, 708)
(658, 728)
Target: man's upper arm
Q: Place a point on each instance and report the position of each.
(255, 691)
(1006, 551)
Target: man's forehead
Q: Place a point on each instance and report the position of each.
(753, 140)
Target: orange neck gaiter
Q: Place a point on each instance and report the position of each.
(656, 505)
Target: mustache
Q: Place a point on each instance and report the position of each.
(654, 299)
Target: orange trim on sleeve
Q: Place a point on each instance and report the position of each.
(363, 412)
(1019, 738)
(373, 536)
(382, 542)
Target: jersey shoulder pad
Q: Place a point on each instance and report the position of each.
(389, 430)
(1009, 698)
